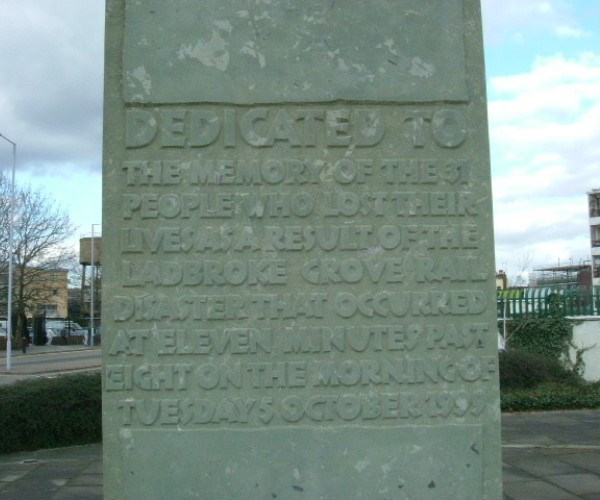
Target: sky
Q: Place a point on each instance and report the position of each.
(543, 74)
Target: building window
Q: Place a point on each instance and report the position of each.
(50, 310)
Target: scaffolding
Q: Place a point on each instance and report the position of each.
(572, 276)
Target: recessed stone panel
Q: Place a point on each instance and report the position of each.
(292, 51)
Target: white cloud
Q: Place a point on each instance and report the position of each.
(512, 18)
(545, 135)
(51, 80)
(570, 32)
(543, 6)
(552, 110)
(553, 73)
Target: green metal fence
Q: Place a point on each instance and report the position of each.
(546, 301)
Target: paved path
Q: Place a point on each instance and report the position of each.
(547, 455)
(44, 361)
(551, 455)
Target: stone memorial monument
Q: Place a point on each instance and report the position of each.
(299, 296)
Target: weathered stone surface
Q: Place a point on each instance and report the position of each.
(298, 252)
(321, 462)
(289, 51)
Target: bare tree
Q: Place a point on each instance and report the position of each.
(522, 275)
(41, 234)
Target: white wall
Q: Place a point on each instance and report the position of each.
(586, 334)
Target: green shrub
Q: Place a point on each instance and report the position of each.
(524, 370)
(548, 397)
(531, 382)
(49, 413)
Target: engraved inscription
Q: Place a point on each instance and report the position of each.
(295, 171)
(289, 340)
(265, 127)
(345, 407)
(400, 370)
(333, 204)
(204, 272)
(365, 237)
(258, 127)
(258, 247)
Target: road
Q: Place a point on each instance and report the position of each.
(42, 361)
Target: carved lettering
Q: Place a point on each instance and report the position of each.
(204, 272)
(327, 271)
(171, 206)
(292, 409)
(219, 307)
(213, 341)
(282, 340)
(401, 370)
(401, 304)
(302, 340)
(386, 304)
(257, 127)
(148, 377)
(447, 127)
(381, 371)
(428, 172)
(258, 206)
(296, 171)
(274, 171)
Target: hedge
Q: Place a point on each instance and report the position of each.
(50, 413)
(551, 397)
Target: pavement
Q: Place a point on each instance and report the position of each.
(551, 455)
(546, 455)
(23, 369)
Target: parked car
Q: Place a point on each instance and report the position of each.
(70, 327)
(56, 328)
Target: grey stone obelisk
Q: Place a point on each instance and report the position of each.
(299, 294)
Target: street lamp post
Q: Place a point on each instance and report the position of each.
(11, 208)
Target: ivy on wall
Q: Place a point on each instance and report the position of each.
(549, 336)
